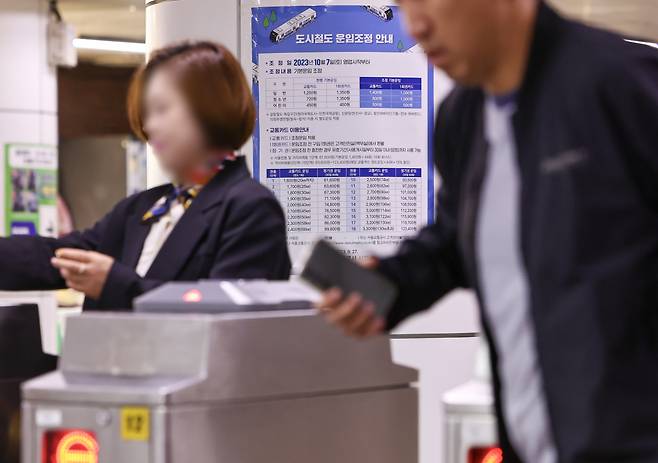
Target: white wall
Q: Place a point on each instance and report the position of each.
(28, 86)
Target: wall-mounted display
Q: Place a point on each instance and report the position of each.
(30, 190)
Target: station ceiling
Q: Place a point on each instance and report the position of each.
(125, 19)
(108, 19)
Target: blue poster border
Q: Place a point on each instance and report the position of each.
(256, 160)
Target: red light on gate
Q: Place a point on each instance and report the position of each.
(70, 446)
(193, 295)
(485, 455)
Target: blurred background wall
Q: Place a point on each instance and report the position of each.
(635, 19)
(93, 131)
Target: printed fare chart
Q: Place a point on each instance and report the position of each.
(343, 92)
(349, 199)
(344, 145)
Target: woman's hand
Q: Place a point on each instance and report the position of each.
(84, 271)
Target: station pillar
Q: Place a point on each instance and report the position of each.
(170, 21)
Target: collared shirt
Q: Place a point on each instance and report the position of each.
(505, 290)
(158, 234)
(164, 225)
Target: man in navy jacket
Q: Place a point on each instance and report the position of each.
(561, 244)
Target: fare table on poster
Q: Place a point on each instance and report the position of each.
(344, 124)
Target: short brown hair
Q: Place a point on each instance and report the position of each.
(214, 85)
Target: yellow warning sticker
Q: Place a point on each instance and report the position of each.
(135, 423)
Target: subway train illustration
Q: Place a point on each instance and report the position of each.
(382, 12)
(292, 25)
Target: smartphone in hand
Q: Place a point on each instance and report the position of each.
(327, 267)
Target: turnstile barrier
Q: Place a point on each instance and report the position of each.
(235, 388)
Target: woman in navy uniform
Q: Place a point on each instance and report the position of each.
(193, 104)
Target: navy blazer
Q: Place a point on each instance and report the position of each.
(234, 229)
(586, 130)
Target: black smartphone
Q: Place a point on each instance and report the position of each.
(327, 267)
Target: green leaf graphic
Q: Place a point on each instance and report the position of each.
(273, 17)
(400, 45)
(266, 23)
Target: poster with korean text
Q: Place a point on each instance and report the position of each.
(345, 120)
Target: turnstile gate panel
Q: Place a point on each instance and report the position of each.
(234, 388)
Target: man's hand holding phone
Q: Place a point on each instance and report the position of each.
(356, 297)
(351, 312)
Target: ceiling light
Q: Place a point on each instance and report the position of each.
(113, 46)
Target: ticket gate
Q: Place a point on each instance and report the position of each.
(275, 387)
(470, 434)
